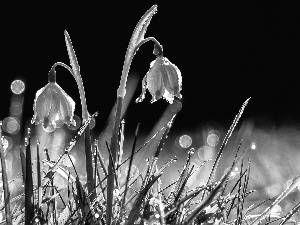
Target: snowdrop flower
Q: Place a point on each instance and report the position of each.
(52, 105)
(162, 80)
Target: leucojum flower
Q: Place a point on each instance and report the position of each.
(53, 107)
(162, 80)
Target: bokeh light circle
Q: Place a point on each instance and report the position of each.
(185, 141)
(15, 108)
(17, 87)
(11, 125)
(205, 153)
(212, 140)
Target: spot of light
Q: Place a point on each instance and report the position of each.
(185, 141)
(17, 87)
(253, 146)
(67, 161)
(92, 123)
(205, 153)
(11, 125)
(7, 143)
(15, 108)
(212, 140)
(97, 215)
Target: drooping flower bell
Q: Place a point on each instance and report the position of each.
(162, 80)
(53, 107)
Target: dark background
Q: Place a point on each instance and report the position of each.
(227, 51)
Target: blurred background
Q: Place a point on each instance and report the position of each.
(226, 51)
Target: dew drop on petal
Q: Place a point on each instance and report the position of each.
(17, 87)
(205, 153)
(185, 141)
(92, 123)
(50, 128)
(11, 125)
(77, 123)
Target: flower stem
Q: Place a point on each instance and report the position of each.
(136, 38)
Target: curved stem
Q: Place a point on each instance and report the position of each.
(137, 37)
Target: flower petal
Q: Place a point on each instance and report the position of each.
(171, 77)
(155, 83)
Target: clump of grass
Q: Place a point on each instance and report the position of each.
(139, 198)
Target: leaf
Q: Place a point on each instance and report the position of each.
(4, 179)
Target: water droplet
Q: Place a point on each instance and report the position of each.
(92, 123)
(185, 141)
(253, 145)
(77, 123)
(205, 153)
(50, 128)
(67, 161)
(17, 87)
(212, 140)
(11, 125)
(15, 108)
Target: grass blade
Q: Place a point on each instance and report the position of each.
(4, 180)
(29, 202)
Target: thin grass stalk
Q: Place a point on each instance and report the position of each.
(50, 173)
(38, 178)
(135, 209)
(129, 169)
(23, 163)
(234, 123)
(4, 180)
(293, 185)
(29, 201)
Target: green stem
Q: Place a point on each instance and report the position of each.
(5, 183)
(136, 39)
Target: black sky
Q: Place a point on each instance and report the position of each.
(226, 52)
